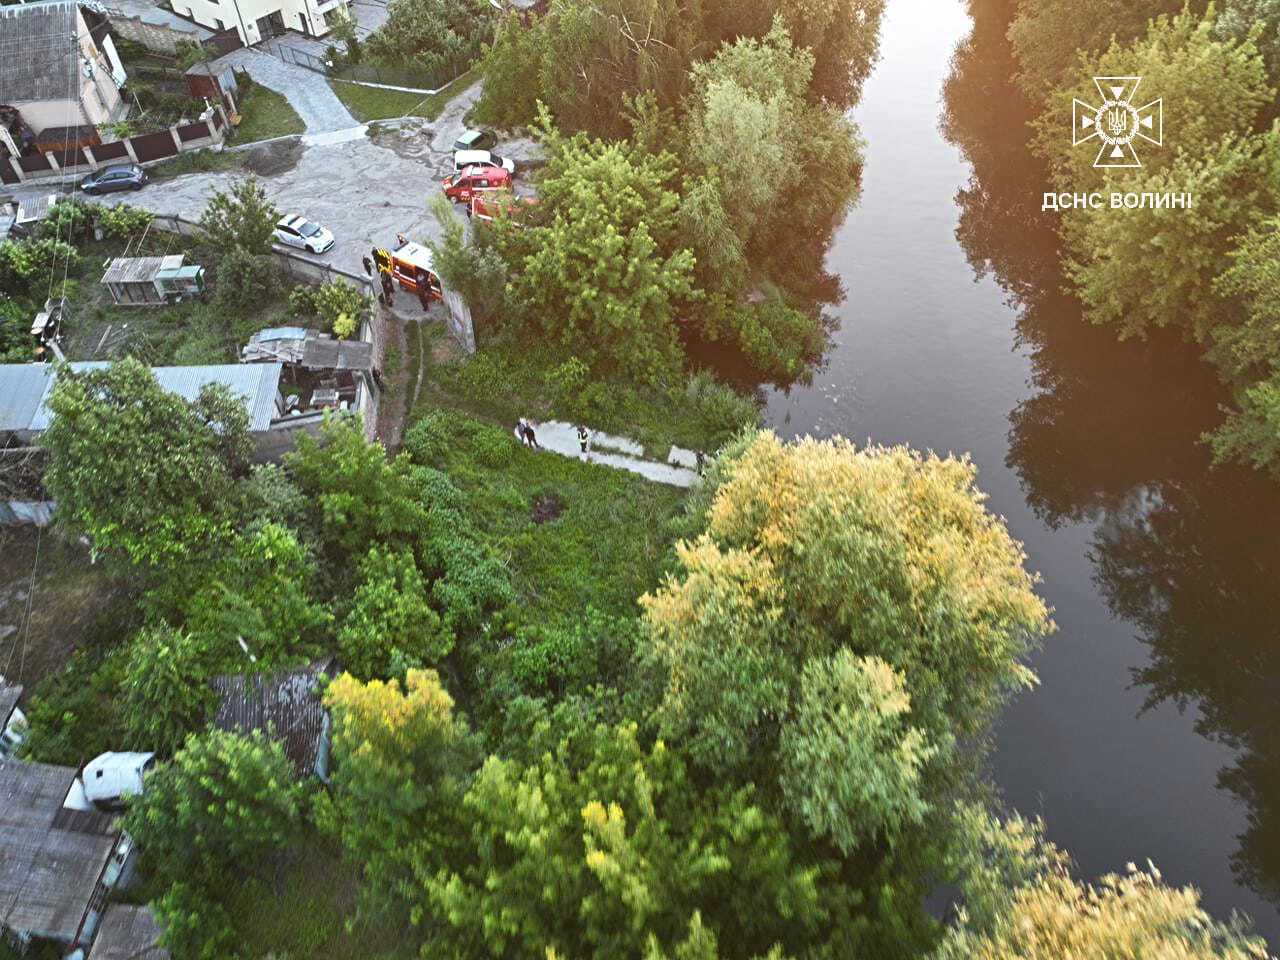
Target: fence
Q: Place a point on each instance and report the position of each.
(365, 74)
(143, 148)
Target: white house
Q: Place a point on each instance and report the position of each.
(57, 85)
(258, 20)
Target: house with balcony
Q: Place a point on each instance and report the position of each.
(59, 80)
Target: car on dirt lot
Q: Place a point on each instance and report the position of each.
(295, 230)
(121, 176)
(481, 158)
(476, 140)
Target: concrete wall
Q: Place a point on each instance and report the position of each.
(156, 37)
(42, 114)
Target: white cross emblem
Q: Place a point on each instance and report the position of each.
(1117, 122)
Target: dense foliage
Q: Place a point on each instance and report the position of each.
(1201, 270)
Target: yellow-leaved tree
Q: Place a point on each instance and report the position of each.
(847, 619)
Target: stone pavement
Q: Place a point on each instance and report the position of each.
(308, 92)
(617, 452)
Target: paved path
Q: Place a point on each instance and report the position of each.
(308, 92)
(617, 452)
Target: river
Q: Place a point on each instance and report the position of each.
(1151, 733)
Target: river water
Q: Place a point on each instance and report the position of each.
(1151, 734)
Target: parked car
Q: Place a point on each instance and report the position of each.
(493, 204)
(464, 185)
(122, 176)
(476, 140)
(481, 158)
(297, 231)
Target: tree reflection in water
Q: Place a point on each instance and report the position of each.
(1188, 554)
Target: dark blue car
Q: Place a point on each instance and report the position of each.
(123, 176)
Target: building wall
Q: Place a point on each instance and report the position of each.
(99, 97)
(303, 16)
(42, 114)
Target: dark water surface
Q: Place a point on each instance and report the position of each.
(1153, 733)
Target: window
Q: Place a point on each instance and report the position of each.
(221, 26)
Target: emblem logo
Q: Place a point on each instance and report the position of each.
(1117, 122)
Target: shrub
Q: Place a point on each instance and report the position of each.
(339, 304)
(244, 281)
(121, 221)
(427, 441)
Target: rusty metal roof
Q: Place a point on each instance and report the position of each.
(285, 706)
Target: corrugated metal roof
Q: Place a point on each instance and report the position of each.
(307, 348)
(49, 873)
(285, 706)
(10, 694)
(41, 60)
(256, 384)
(22, 387)
(128, 933)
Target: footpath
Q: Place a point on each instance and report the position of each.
(680, 470)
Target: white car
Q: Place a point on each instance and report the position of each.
(481, 158)
(298, 231)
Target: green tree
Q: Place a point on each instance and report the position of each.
(1174, 255)
(401, 760)
(844, 36)
(1239, 19)
(851, 761)
(1213, 88)
(225, 802)
(1049, 36)
(474, 270)
(815, 547)
(195, 925)
(603, 277)
(257, 591)
(148, 476)
(603, 848)
(1251, 284)
(390, 618)
(1135, 915)
(442, 37)
(240, 218)
(1251, 433)
(166, 691)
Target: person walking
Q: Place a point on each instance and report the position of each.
(583, 440)
(701, 462)
(530, 437)
(368, 266)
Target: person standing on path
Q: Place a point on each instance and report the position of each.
(583, 441)
(530, 437)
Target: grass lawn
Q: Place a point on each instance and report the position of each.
(606, 542)
(374, 103)
(63, 610)
(265, 114)
(304, 913)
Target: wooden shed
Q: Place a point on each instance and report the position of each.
(153, 281)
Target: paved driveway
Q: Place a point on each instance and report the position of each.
(365, 189)
(308, 92)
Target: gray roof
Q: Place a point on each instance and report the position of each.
(139, 269)
(50, 857)
(10, 694)
(309, 349)
(128, 933)
(256, 384)
(22, 387)
(286, 706)
(41, 60)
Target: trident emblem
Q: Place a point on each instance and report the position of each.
(1117, 122)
